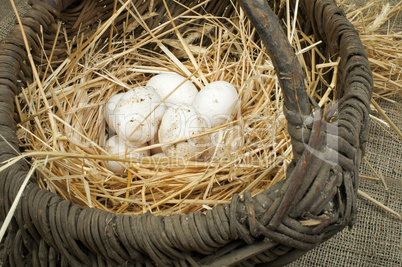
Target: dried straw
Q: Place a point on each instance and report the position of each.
(381, 36)
(71, 152)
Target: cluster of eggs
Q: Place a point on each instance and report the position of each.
(169, 110)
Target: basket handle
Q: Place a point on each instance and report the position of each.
(355, 82)
(317, 142)
(287, 66)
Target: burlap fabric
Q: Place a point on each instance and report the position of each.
(7, 16)
(376, 238)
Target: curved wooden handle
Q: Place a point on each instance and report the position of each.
(288, 68)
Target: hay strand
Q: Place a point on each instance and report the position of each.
(203, 48)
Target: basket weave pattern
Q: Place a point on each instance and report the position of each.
(321, 182)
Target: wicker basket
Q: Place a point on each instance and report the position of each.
(321, 182)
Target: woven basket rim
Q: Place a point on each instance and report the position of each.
(247, 222)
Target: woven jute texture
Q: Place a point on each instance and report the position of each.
(376, 238)
(7, 16)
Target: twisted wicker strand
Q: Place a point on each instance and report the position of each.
(125, 240)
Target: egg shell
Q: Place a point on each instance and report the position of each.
(118, 146)
(131, 115)
(167, 82)
(224, 143)
(218, 101)
(180, 122)
(154, 141)
(110, 106)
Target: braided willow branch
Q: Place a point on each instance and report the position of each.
(321, 183)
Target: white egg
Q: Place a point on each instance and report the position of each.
(109, 111)
(119, 147)
(218, 101)
(165, 83)
(224, 144)
(134, 120)
(180, 122)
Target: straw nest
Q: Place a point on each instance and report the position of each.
(62, 117)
